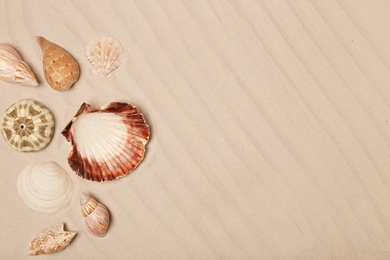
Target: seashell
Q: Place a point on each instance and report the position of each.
(107, 142)
(45, 187)
(28, 125)
(96, 215)
(105, 54)
(51, 240)
(60, 68)
(13, 69)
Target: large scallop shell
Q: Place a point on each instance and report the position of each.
(51, 240)
(97, 218)
(28, 125)
(107, 142)
(45, 187)
(60, 68)
(13, 69)
(105, 54)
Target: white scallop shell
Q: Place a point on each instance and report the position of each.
(97, 218)
(13, 69)
(105, 54)
(28, 125)
(45, 187)
(51, 240)
(108, 142)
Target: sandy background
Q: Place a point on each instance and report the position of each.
(269, 120)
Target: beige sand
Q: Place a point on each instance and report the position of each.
(270, 128)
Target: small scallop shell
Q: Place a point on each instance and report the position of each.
(97, 218)
(13, 69)
(45, 187)
(51, 240)
(60, 68)
(105, 54)
(107, 142)
(28, 125)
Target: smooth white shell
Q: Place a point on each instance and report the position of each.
(105, 54)
(45, 187)
(13, 69)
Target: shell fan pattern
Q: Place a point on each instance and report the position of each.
(28, 125)
(107, 142)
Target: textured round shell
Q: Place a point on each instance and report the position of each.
(28, 125)
(105, 54)
(60, 68)
(45, 187)
(107, 142)
(13, 69)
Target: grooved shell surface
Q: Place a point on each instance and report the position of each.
(107, 142)
(28, 125)
(105, 54)
(45, 187)
(13, 69)
(60, 67)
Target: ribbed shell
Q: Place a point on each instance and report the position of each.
(105, 54)
(13, 69)
(60, 67)
(97, 218)
(28, 125)
(106, 142)
(51, 240)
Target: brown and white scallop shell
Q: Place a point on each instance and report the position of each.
(28, 125)
(97, 218)
(51, 240)
(13, 69)
(105, 54)
(107, 142)
(60, 67)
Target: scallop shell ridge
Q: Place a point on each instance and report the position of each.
(28, 125)
(107, 142)
(105, 54)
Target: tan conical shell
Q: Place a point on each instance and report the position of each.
(96, 215)
(51, 240)
(13, 69)
(60, 68)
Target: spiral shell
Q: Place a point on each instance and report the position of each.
(51, 240)
(13, 69)
(97, 218)
(105, 54)
(28, 125)
(107, 142)
(45, 187)
(60, 68)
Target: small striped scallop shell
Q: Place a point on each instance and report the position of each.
(28, 125)
(13, 69)
(105, 54)
(107, 142)
(60, 68)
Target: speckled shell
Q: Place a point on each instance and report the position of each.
(28, 125)
(97, 218)
(107, 142)
(60, 68)
(51, 240)
(105, 54)
(13, 69)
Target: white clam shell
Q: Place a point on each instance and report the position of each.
(108, 142)
(97, 218)
(105, 54)
(45, 187)
(51, 240)
(13, 69)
